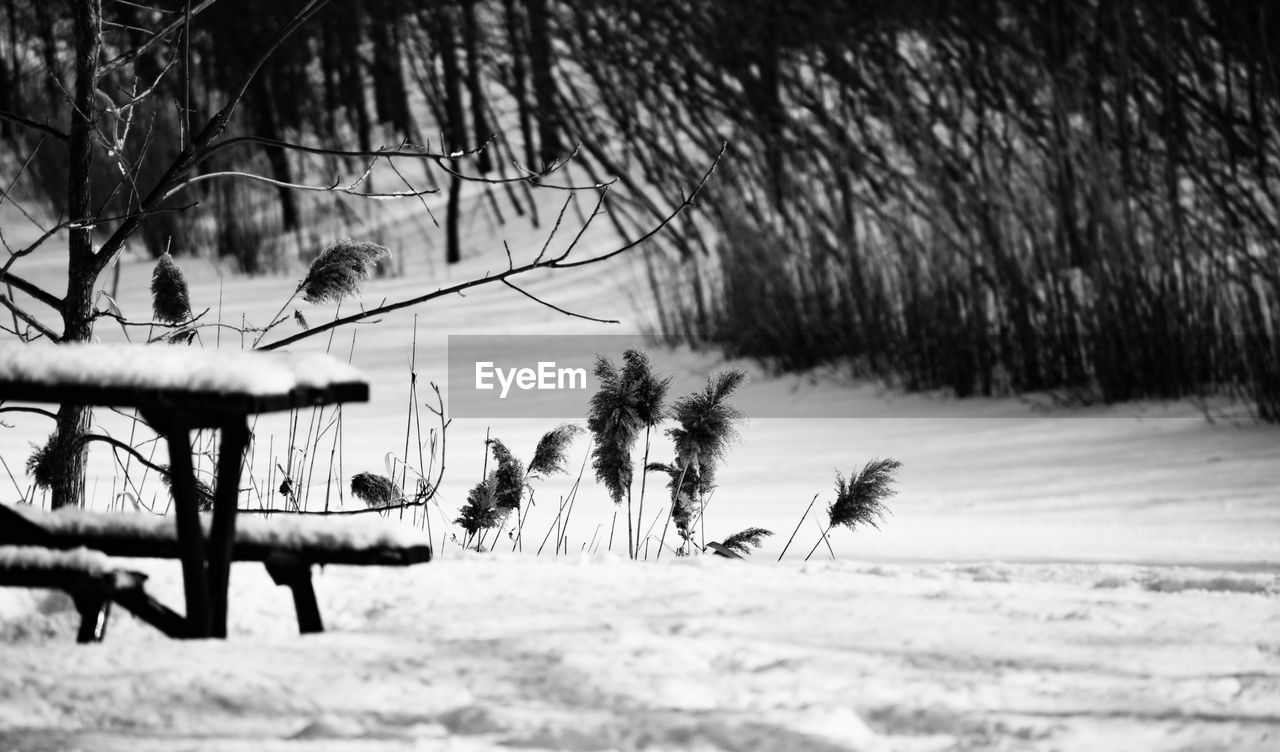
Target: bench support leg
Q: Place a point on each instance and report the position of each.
(190, 535)
(94, 611)
(140, 604)
(222, 531)
(288, 570)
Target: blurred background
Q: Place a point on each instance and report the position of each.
(990, 197)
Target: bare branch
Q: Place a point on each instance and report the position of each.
(48, 130)
(554, 228)
(133, 54)
(100, 314)
(405, 149)
(557, 308)
(85, 225)
(586, 223)
(125, 447)
(336, 187)
(7, 195)
(34, 410)
(49, 299)
(28, 319)
(529, 175)
(554, 263)
(687, 203)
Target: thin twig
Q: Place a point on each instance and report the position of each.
(798, 524)
(557, 308)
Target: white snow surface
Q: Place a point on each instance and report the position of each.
(168, 367)
(488, 652)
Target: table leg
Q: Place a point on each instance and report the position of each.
(222, 531)
(190, 536)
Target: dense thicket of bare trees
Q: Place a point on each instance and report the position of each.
(994, 195)
(986, 196)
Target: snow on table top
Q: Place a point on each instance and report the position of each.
(171, 367)
(278, 531)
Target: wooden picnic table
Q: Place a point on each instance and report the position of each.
(177, 389)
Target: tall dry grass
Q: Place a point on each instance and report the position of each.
(995, 196)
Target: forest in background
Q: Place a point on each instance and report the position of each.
(990, 197)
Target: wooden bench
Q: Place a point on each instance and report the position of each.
(288, 547)
(87, 576)
(178, 389)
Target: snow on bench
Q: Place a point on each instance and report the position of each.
(313, 539)
(288, 546)
(38, 559)
(90, 577)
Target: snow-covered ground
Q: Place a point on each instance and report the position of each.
(1137, 605)
(594, 653)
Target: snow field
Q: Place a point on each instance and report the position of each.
(597, 653)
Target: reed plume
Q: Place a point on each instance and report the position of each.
(170, 300)
(708, 423)
(338, 271)
(743, 541)
(650, 391)
(614, 420)
(651, 394)
(204, 491)
(552, 454)
(375, 490)
(480, 512)
(508, 479)
(686, 485)
(40, 464)
(860, 499)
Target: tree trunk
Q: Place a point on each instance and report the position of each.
(455, 125)
(268, 123)
(389, 96)
(471, 43)
(515, 36)
(540, 60)
(68, 452)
